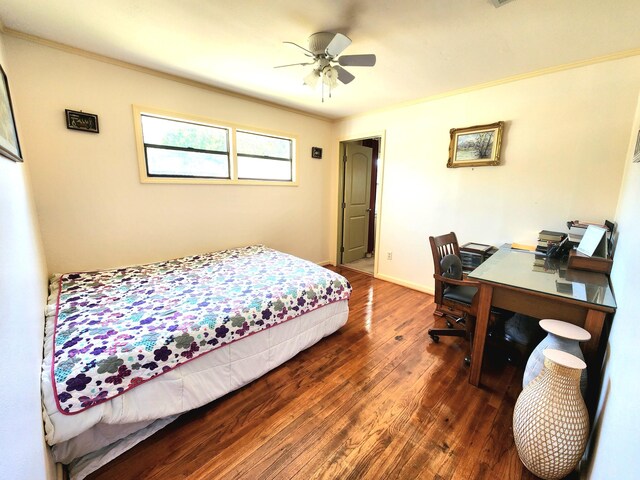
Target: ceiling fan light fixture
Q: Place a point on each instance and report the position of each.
(330, 76)
(311, 79)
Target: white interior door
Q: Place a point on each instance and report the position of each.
(357, 189)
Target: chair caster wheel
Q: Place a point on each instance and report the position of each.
(449, 324)
(467, 361)
(435, 338)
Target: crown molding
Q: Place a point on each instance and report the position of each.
(156, 73)
(514, 78)
(205, 86)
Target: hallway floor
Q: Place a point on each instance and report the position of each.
(362, 265)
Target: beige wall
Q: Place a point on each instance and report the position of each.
(617, 432)
(93, 210)
(23, 291)
(563, 157)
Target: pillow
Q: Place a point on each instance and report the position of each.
(451, 267)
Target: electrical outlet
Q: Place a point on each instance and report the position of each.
(389, 256)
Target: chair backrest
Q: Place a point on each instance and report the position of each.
(442, 246)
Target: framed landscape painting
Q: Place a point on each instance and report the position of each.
(9, 146)
(475, 146)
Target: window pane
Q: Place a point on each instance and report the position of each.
(161, 161)
(263, 145)
(174, 133)
(263, 169)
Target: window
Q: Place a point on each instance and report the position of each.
(263, 157)
(175, 148)
(179, 149)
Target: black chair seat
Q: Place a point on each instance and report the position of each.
(459, 293)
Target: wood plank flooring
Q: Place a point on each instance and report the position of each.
(375, 400)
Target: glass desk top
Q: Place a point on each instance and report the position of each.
(550, 276)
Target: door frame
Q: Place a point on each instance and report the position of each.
(381, 134)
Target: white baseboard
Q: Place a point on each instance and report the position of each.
(404, 283)
(388, 278)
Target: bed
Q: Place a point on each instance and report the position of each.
(128, 350)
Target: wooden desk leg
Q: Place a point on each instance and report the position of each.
(482, 322)
(594, 323)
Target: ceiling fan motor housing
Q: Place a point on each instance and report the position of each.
(318, 42)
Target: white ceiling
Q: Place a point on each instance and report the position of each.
(423, 47)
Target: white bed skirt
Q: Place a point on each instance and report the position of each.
(189, 386)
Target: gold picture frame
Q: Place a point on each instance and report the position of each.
(475, 146)
(9, 144)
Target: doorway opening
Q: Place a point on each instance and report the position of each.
(359, 195)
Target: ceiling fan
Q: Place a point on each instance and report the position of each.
(324, 54)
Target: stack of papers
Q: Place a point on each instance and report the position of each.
(594, 242)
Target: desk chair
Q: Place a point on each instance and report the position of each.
(455, 297)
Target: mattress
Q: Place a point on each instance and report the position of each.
(179, 388)
(190, 386)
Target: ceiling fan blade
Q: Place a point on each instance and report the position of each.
(294, 64)
(344, 76)
(310, 54)
(337, 45)
(368, 60)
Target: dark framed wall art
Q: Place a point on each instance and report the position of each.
(85, 122)
(9, 145)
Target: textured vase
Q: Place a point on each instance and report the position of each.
(550, 419)
(560, 336)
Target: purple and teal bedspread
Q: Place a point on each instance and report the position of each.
(117, 329)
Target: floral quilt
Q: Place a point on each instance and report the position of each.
(117, 329)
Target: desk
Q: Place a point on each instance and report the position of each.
(508, 280)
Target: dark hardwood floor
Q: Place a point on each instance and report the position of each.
(376, 400)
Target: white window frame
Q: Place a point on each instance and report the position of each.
(138, 111)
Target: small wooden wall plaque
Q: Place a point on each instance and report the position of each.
(85, 122)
